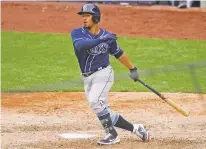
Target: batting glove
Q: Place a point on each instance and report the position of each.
(134, 74)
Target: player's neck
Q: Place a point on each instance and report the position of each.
(94, 29)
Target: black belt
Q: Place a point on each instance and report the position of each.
(87, 74)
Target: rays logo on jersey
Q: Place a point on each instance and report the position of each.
(99, 49)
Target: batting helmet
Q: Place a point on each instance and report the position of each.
(93, 10)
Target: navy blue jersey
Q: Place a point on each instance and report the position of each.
(98, 56)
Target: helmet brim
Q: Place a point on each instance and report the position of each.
(83, 12)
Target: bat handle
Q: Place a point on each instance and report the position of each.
(153, 90)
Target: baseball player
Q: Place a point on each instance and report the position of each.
(92, 46)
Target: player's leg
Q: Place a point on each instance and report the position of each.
(124, 124)
(104, 114)
(101, 84)
(87, 86)
(98, 99)
(105, 79)
(138, 129)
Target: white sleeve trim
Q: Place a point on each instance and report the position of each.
(78, 39)
(116, 52)
(118, 49)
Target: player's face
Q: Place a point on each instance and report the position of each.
(87, 19)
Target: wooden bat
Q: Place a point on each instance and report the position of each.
(170, 102)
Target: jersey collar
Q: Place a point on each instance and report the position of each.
(92, 35)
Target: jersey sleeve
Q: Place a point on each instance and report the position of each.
(115, 50)
(76, 35)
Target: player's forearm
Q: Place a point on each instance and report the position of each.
(124, 59)
(87, 44)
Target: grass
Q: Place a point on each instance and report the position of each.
(46, 62)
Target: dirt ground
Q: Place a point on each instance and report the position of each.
(155, 21)
(35, 120)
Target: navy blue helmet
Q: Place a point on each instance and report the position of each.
(93, 10)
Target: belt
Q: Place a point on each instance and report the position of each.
(87, 74)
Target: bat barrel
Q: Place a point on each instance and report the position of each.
(170, 102)
(178, 108)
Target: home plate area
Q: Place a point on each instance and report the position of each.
(77, 135)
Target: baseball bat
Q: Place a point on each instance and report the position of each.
(170, 102)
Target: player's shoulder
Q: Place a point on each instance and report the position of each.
(106, 31)
(78, 30)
